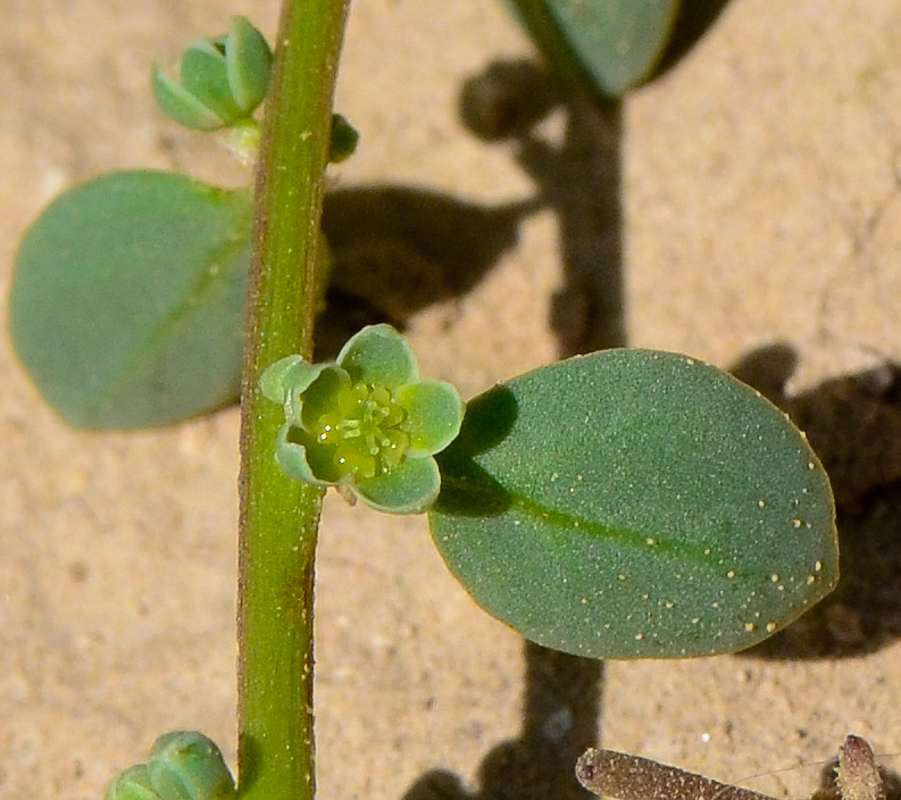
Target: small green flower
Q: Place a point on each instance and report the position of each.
(222, 80)
(184, 765)
(365, 422)
(133, 784)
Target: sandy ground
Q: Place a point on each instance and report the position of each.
(744, 207)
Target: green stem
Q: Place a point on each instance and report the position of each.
(278, 517)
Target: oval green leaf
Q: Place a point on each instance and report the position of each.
(128, 296)
(635, 504)
(614, 44)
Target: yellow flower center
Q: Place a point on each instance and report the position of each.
(365, 430)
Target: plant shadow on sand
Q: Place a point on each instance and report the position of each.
(404, 248)
(579, 178)
(853, 424)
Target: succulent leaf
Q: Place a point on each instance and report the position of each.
(128, 299)
(635, 504)
(610, 45)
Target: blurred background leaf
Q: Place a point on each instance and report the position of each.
(610, 44)
(128, 296)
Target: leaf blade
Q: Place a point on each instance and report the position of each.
(611, 44)
(128, 299)
(638, 529)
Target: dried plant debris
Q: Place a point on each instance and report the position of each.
(628, 777)
(857, 772)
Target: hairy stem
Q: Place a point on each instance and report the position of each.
(278, 517)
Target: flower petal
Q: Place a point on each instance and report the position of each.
(411, 488)
(292, 457)
(288, 374)
(379, 354)
(434, 415)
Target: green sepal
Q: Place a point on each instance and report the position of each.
(434, 415)
(410, 488)
(378, 354)
(248, 63)
(292, 454)
(326, 394)
(181, 105)
(288, 376)
(133, 784)
(203, 74)
(186, 765)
